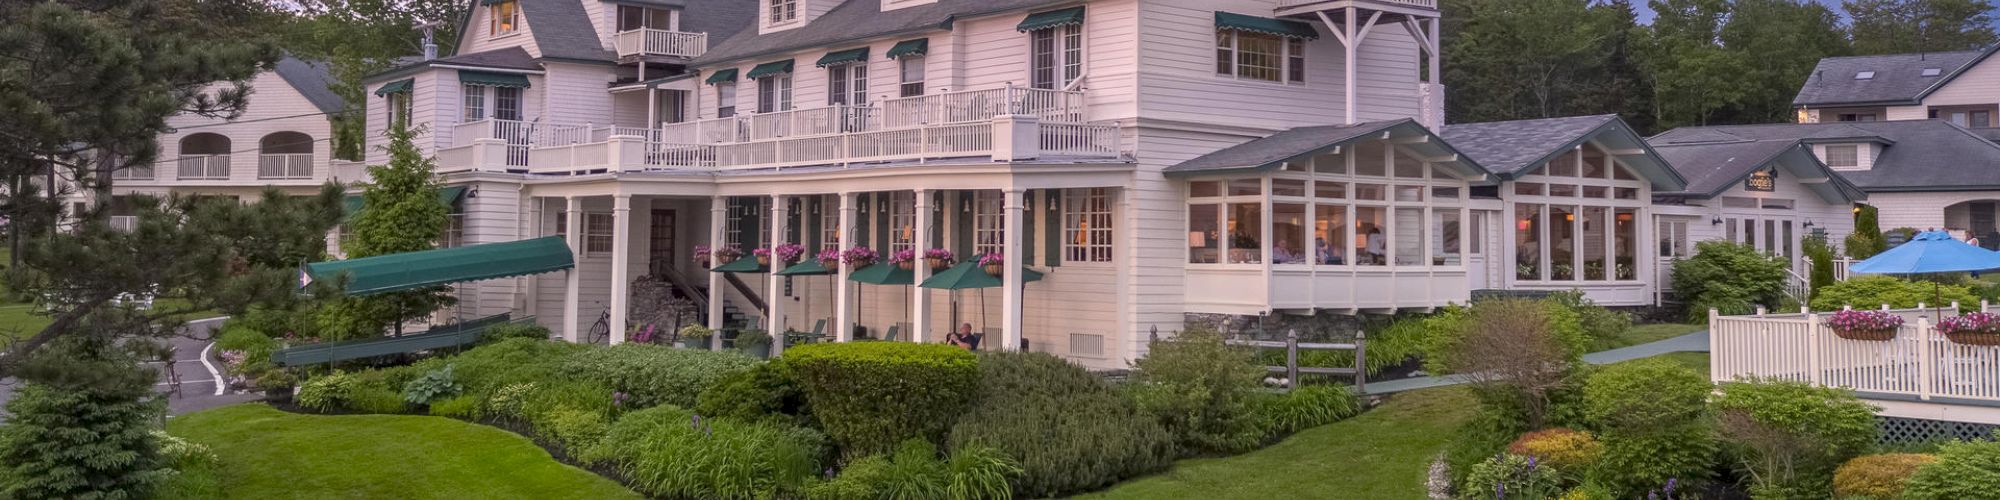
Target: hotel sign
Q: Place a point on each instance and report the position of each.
(1762, 180)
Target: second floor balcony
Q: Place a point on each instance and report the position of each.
(203, 168)
(645, 42)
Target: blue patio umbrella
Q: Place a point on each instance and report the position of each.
(1928, 253)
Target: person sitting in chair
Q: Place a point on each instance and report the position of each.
(964, 337)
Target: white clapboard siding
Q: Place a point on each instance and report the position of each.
(477, 39)
(1977, 85)
(274, 106)
(574, 93)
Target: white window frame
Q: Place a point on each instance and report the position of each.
(829, 222)
(776, 88)
(782, 12)
(645, 17)
(1852, 155)
(399, 109)
(902, 214)
(1673, 237)
(494, 27)
(1349, 183)
(597, 231)
(908, 87)
(1291, 57)
(507, 103)
(454, 230)
(475, 102)
(1610, 180)
(1087, 229)
(725, 99)
(989, 224)
(1063, 59)
(847, 84)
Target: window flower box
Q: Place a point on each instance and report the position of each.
(1980, 328)
(1875, 326)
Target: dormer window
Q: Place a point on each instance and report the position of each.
(784, 11)
(1933, 71)
(1864, 75)
(503, 17)
(1843, 155)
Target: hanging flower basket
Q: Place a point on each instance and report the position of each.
(858, 257)
(1981, 329)
(906, 259)
(702, 254)
(763, 256)
(993, 263)
(725, 255)
(829, 258)
(1874, 326)
(937, 258)
(789, 253)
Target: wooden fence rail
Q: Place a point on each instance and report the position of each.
(1291, 368)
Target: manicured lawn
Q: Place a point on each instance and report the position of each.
(1697, 361)
(267, 453)
(1640, 334)
(1382, 454)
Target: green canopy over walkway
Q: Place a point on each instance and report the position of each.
(411, 270)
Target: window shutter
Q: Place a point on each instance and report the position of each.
(1027, 228)
(812, 215)
(1052, 235)
(961, 225)
(867, 201)
(751, 221)
(937, 221)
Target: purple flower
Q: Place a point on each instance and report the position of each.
(1500, 490)
(697, 422)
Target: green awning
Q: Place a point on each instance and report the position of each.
(491, 79)
(769, 69)
(743, 265)
(449, 195)
(848, 56)
(908, 48)
(409, 270)
(396, 87)
(970, 275)
(810, 267)
(1281, 27)
(1051, 19)
(722, 76)
(883, 274)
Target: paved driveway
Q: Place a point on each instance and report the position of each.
(198, 379)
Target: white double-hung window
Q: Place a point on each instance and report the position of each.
(1055, 47)
(1086, 229)
(503, 17)
(1259, 48)
(784, 11)
(847, 84)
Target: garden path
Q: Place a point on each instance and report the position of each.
(1693, 342)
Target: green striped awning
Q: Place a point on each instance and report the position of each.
(743, 265)
(770, 69)
(849, 56)
(722, 76)
(449, 195)
(1051, 19)
(491, 79)
(969, 274)
(1281, 27)
(396, 87)
(907, 48)
(410, 270)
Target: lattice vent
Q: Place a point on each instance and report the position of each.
(1899, 430)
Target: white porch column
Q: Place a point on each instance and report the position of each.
(572, 293)
(621, 265)
(718, 216)
(1011, 249)
(843, 311)
(774, 322)
(920, 298)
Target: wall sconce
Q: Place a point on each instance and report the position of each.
(474, 193)
(1716, 221)
(1857, 209)
(1808, 224)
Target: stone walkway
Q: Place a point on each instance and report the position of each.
(1693, 342)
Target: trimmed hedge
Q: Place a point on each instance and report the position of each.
(1965, 470)
(670, 452)
(1877, 476)
(1069, 430)
(651, 375)
(869, 396)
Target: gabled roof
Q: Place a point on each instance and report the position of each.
(1918, 155)
(1304, 142)
(511, 58)
(857, 20)
(1714, 167)
(1897, 78)
(1513, 148)
(563, 30)
(313, 79)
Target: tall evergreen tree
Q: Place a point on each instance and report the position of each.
(1694, 80)
(1530, 58)
(1785, 39)
(400, 212)
(1903, 26)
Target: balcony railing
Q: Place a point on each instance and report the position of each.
(285, 166)
(1421, 4)
(656, 42)
(133, 173)
(969, 106)
(203, 167)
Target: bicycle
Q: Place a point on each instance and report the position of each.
(600, 332)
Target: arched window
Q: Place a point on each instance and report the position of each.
(204, 156)
(285, 155)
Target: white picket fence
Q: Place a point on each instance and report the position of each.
(1919, 362)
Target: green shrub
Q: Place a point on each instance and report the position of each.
(1651, 417)
(1791, 435)
(434, 385)
(540, 406)
(369, 398)
(1566, 450)
(1820, 254)
(871, 395)
(195, 470)
(513, 361)
(1728, 277)
(1878, 476)
(574, 430)
(752, 338)
(1511, 476)
(914, 471)
(1204, 392)
(653, 375)
(255, 346)
(1871, 291)
(1963, 471)
(1068, 430)
(665, 451)
(462, 407)
(1597, 321)
(326, 392)
(1310, 406)
(504, 331)
(1866, 240)
(1518, 354)
(767, 389)
(509, 401)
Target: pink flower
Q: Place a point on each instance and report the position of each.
(902, 256)
(938, 253)
(789, 252)
(858, 255)
(992, 259)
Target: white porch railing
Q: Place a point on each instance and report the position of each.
(203, 167)
(134, 173)
(1918, 362)
(285, 166)
(1421, 4)
(657, 42)
(1059, 106)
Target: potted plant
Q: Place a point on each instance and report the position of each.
(937, 258)
(1980, 328)
(763, 256)
(690, 334)
(702, 254)
(829, 258)
(727, 254)
(789, 253)
(1864, 325)
(858, 257)
(992, 263)
(754, 342)
(906, 259)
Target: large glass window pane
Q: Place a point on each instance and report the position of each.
(1374, 192)
(1204, 189)
(1528, 242)
(1288, 233)
(1371, 247)
(1593, 163)
(1330, 234)
(1528, 188)
(1407, 167)
(1204, 234)
(1410, 236)
(1330, 164)
(1409, 193)
(1288, 187)
(1246, 187)
(1563, 166)
(1562, 242)
(1771, 236)
(1330, 190)
(1786, 244)
(1444, 238)
(1595, 226)
(1369, 158)
(1246, 228)
(1626, 235)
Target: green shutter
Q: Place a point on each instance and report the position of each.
(867, 202)
(937, 220)
(1053, 233)
(961, 222)
(1027, 229)
(812, 216)
(752, 221)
